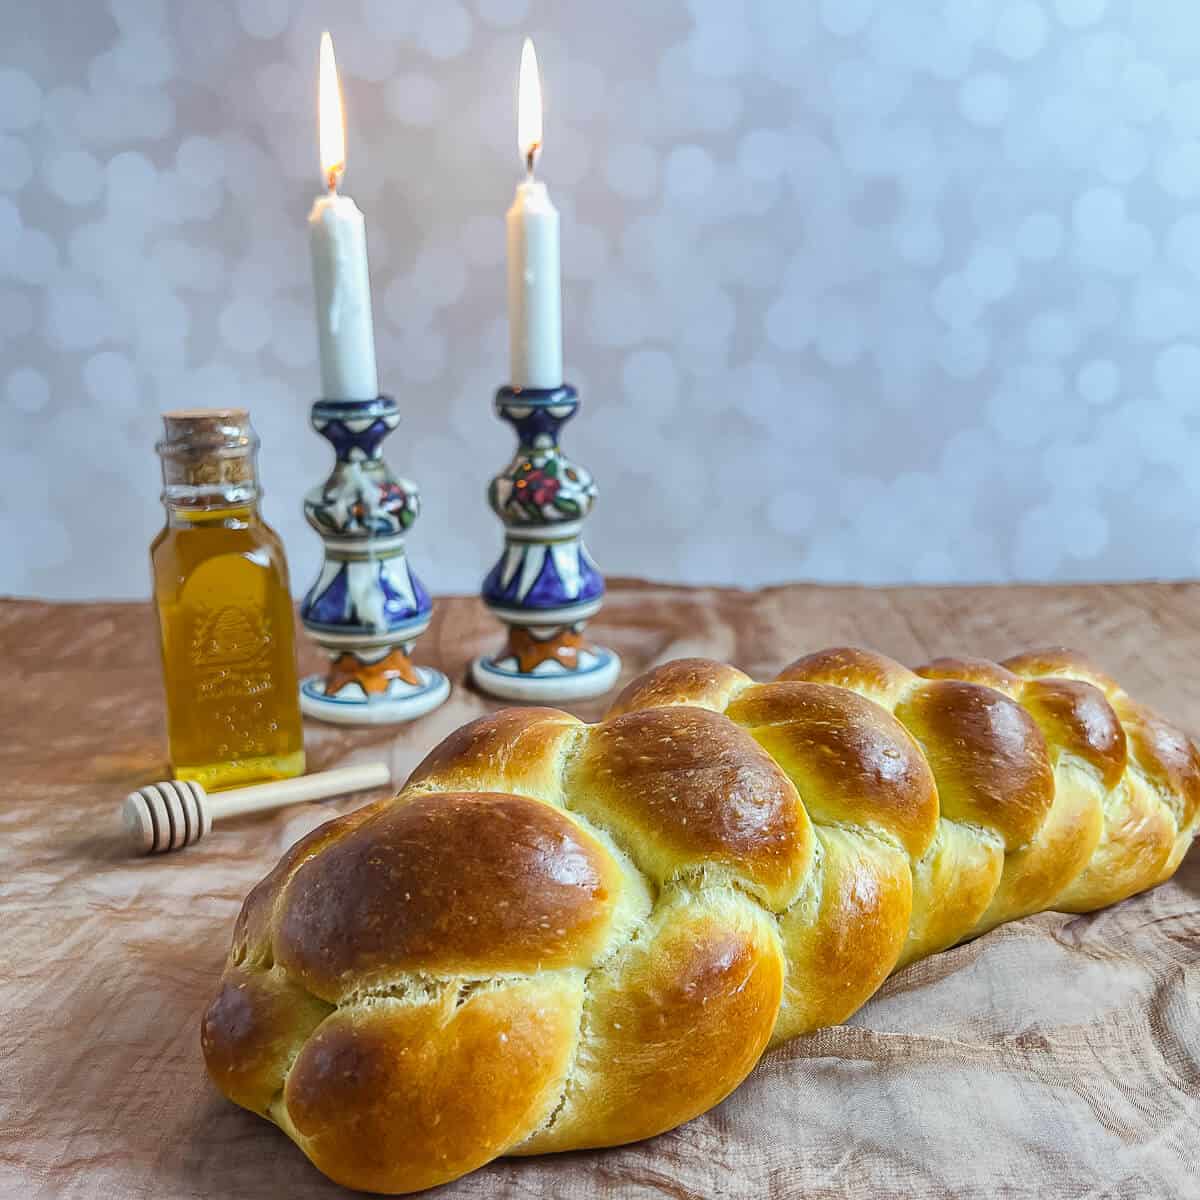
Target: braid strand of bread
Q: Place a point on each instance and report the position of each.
(563, 935)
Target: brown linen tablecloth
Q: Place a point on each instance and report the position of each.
(1058, 1056)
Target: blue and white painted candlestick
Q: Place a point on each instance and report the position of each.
(367, 607)
(545, 586)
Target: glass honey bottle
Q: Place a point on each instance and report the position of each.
(224, 609)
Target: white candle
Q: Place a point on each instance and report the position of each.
(534, 277)
(338, 238)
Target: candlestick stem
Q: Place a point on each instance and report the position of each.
(545, 586)
(367, 607)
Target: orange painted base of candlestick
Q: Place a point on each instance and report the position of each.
(375, 679)
(530, 652)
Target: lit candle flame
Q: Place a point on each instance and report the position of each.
(529, 107)
(332, 118)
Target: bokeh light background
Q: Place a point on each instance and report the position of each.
(854, 290)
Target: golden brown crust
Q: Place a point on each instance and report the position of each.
(398, 1097)
(674, 1025)
(1037, 875)
(987, 754)
(1061, 662)
(516, 750)
(973, 670)
(844, 936)
(953, 884)
(873, 675)
(459, 882)
(1076, 717)
(255, 926)
(684, 789)
(253, 1030)
(1166, 756)
(1137, 841)
(1079, 725)
(851, 761)
(561, 935)
(700, 682)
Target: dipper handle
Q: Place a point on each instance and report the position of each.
(176, 813)
(263, 796)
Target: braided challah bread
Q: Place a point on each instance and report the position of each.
(563, 935)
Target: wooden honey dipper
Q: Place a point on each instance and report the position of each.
(176, 813)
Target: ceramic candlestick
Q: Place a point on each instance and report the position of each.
(367, 607)
(545, 586)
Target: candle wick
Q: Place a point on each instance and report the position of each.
(333, 178)
(531, 158)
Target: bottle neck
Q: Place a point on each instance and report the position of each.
(213, 510)
(209, 466)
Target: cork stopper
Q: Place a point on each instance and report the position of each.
(208, 452)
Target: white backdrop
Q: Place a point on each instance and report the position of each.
(854, 290)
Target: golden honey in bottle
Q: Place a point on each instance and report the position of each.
(224, 609)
